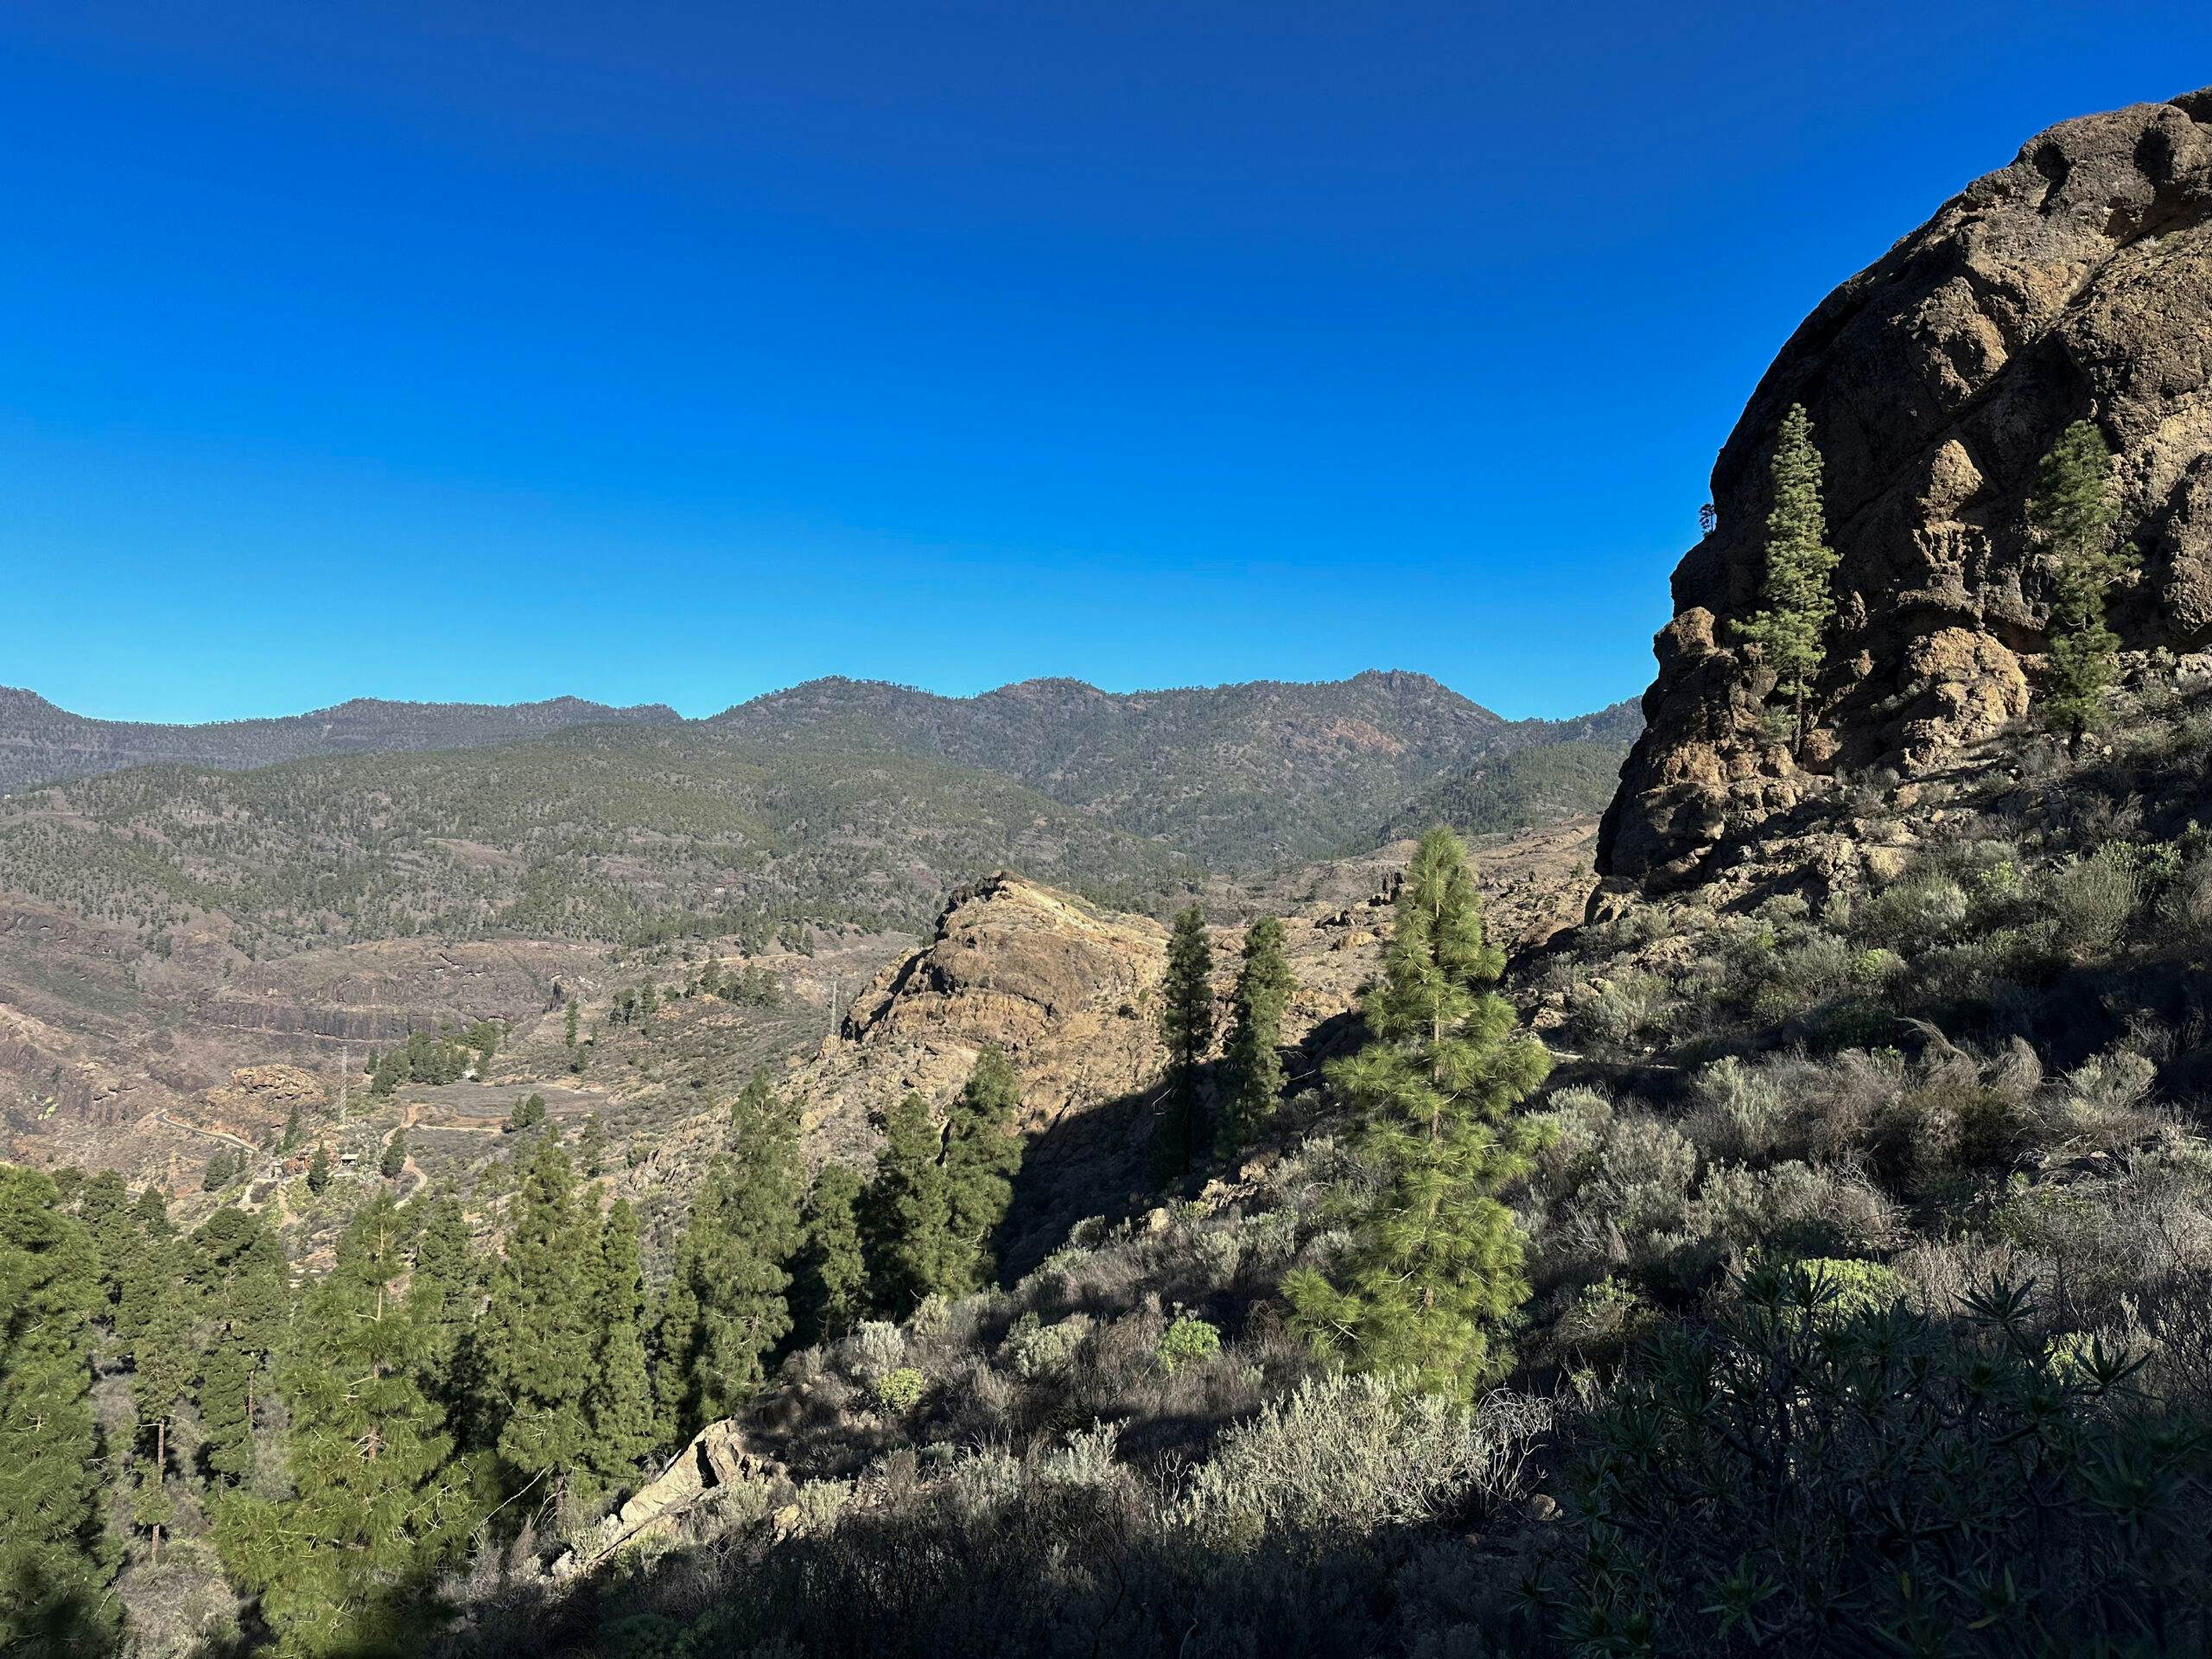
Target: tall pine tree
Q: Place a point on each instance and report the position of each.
(908, 1216)
(445, 1293)
(727, 1305)
(55, 1558)
(240, 1269)
(381, 1506)
(1252, 1054)
(2075, 511)
(1435, 1266)
(1799, 602)
(982, 1155)
(619, 1403)
(829, 1289)
(1186, 1030)
(535, 1339)
(164, 1364)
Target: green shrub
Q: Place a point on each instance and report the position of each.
(1803, 1469)
(1920, 908)
(900, 1391)
(1188, 1339)
(1351, 1454)
(2093, 899)
(1036, 1350)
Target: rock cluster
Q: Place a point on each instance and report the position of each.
(2075, 283)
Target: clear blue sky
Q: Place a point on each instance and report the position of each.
(680, 351)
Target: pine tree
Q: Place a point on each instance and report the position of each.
(908, 1213)
(291, 1137)
(1435, 1267)
(443, 1294)
(153, 1212)
(318, 1171)
(619, 1403)
(56, 1557)
(1186, 1029)
(727, 1305)
(982, 1154)
(239, 1269)
(568, 1024)
(381, 1505)
(1252, 1055)
(535, 1339)
(2074, 511)
(103, 1207)
(829, 1287)
(394, 1161)
(164, 1363)
(1791, 629)
(591, 1147)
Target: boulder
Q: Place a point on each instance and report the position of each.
(2074, 283)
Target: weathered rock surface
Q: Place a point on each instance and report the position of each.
(257, 1099)
(1067, 989)
(2075, 283)
(716, 1457)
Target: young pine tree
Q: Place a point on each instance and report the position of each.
(394, 1159)
(591, 1147)
(1434, 1269)
(1186, 1030)
(911, 1253)
(982, 1154)
(620, 1401)
(318, 1171)
(56, 1559)
(727, 1304)
(1252, 1054)
(239, 1269)
(444, 1292)
(164, 1364)
(829, 1289)
(536, 1341)
(2074, 509)
(380, 1505)
(1791, 628)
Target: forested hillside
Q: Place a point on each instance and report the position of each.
(596, 834)
(1234, 776)
(39, 741)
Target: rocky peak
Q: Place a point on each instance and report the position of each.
(2075, 283)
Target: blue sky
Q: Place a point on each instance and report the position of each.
(680, 351)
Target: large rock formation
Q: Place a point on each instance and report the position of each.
(2075, 283)
(1067, 989)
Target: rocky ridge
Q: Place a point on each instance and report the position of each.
(2077, 282)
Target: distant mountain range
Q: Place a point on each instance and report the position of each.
(1234, 776)
(838, 800)
(39, 742)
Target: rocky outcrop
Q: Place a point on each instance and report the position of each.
(1067, 989)
(2076, 283)
(716, 1459)
(257, 1099)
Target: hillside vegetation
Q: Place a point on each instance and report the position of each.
(39, 742)
(625, 835)
(1235, 777)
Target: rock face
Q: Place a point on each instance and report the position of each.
(1068, 990)
(2076, 283)
(259, 1098)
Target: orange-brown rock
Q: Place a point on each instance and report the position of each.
(2074, 283)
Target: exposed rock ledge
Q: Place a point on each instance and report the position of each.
(2077, 282)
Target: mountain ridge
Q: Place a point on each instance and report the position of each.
(41, 741)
